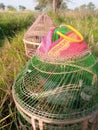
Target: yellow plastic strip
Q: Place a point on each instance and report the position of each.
(69, 38)
(32, 43)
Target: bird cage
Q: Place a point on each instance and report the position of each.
(35, 33)
(58, 88)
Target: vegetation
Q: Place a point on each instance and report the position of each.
(11, 8)
(2, 6)
(58, 5)
(55, 4)
(12, 52)
(12, 59)
(89, 6)
(21, 7)
(11, 23)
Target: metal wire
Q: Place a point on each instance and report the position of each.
(58, 91)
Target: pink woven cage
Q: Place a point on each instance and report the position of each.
(36, 32)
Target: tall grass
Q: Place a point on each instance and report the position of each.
(11, 60)
(11, 23)
(12, 54)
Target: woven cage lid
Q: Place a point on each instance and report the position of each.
(40, 27)
(54, 47)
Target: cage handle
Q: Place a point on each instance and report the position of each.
(69, 38)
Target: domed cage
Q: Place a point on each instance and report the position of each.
(59, 93)
(36, 32)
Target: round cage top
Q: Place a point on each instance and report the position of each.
(62, 44)
(59, 91)
(39, 28)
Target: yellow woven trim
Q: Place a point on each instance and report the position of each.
(55, 51)
(69, 38)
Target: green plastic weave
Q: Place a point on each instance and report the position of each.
(58, 91)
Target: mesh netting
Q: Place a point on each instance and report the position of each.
(58, 91)
(58, 94)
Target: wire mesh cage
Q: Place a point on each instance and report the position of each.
(58, 88)
(35, 33)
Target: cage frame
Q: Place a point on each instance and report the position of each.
(92, 118)
(30, 51)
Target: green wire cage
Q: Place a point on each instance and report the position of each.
(54, 92)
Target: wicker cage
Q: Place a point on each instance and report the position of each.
(35, 33)
(58, 88)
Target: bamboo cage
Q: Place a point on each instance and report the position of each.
(35, 33)
(58, 88)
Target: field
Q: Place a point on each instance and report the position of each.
(12, 52)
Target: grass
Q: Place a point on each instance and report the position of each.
(12, 53)
(12, 59)
(11, 23)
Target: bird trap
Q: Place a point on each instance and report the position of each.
(36, 32)
(58, 88)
